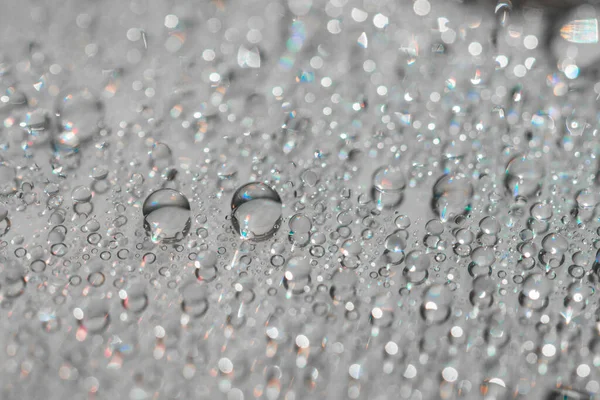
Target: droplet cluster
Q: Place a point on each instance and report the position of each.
(300, 199)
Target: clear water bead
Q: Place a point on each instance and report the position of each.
(256, 211)
(524, 176)
(388, 186)
(167, 216)
(452, 195)
(80, 113)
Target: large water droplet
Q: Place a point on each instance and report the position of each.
(535, 292)
(206, 266)
(524, 176)
(167, 216)
(296, 277)
(575, 41)
(452, 196)
(417, 265)
(502, 10)
(554, 247)
(388, 186)
(256, 211)
(38, 125)
(436, 305)
(80, 114)
(160, 157)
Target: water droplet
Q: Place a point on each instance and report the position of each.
(134, 298)
(195, 299)
(206, 266)
(524, 176)
(535, 292)
(38, 125)
(554, 247)
(483, 258)
(388, 186)
(402, 221)
(8, 179)
(436, 305)
(161, 157)
(296, 277)
(80, 113)
(256, 211)
(81, 194)
(417, 265)
(483, 292)
(502, 11)
(167, 216)
(574, 41)
(452, 196)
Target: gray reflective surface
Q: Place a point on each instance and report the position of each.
(299, 199)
